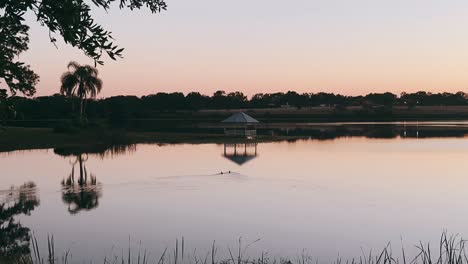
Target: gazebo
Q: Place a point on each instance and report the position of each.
(240, 124)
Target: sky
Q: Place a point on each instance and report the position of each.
(349, 47)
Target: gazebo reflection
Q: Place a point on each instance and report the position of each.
(240, 153)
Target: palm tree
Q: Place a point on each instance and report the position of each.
(81, 81)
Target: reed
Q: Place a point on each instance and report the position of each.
(451, 250)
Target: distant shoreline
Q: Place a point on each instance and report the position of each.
(28, 138)
(23, 138)
(203, 118)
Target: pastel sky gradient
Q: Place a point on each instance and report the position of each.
(342, 46)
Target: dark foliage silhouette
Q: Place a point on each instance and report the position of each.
(101, 151)
(81, 81)
(14, 237)
(118, 109)
(71, 20)
(5, 107)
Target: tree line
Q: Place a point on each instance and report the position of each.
(62, 106)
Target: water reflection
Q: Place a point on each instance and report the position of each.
(371, 130)
(364, 181)
(102, 151)
(84, 192)
(240, 153)
(14, 237)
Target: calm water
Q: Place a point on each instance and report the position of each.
(327, 196)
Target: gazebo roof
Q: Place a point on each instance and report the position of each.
(240, 117)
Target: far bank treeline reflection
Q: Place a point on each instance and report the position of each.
(384, 131)
(332, 131)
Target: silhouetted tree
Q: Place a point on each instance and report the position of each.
(4, 106)
(260, 100)
(82, 82)
(196, 101)
(386, 99)
(236, 100)
(120, 109)
(13, 41)
(72, 20)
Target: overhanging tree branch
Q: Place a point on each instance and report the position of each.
(71, 19)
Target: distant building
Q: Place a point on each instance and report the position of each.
(240, 124)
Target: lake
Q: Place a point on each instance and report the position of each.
(343, 195)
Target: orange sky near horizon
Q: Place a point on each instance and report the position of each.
(347, 47)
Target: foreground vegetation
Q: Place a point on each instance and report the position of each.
(450, 250)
